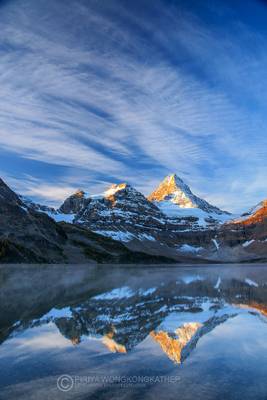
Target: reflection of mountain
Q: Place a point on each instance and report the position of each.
(122, 308)
(262, 308)
(173, 347)
(111, 344)
(178, 348)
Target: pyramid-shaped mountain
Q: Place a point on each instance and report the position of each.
(174, 194)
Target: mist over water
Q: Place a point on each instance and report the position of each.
(133, 332)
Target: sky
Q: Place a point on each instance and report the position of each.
(94, 92)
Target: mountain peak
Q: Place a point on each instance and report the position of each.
(79, 193)
(174, 189)
(74, 203)
(173, 178)
(257, 214)
(6, 194)
(176, 192)
(114, 188)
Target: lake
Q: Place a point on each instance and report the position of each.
(133, 332)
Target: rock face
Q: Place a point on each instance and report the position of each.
(8, 196)
(25, 234)
(74, 203)
(122, 213)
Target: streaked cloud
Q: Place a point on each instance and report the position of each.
(154, 89)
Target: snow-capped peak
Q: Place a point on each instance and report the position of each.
(175, 180)
(174, 191)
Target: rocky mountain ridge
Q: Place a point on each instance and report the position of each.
(123, 218)
(29, 235)
(122, 202)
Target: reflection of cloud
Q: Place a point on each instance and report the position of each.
(41, 338)
(50, 340)
(26, 344)
(83, 89)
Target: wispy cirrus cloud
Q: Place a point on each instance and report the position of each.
(133, 96)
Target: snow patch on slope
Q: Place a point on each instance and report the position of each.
(214, 241)
(172, 210)
(191, 278)
(60, 217)
(248, 242)
(251, 283)
(118, 293)
(146, 236)
(189, 249)
(218, 283)
(117, 235)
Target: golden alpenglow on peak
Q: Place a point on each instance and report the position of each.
(256, 215)
(173, 194)
(173, 188)
(114, 188)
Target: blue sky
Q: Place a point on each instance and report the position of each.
(103, 91)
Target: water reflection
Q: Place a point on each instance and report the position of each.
(176, 311)
(168, 310)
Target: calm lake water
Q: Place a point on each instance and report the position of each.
(135, 332)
